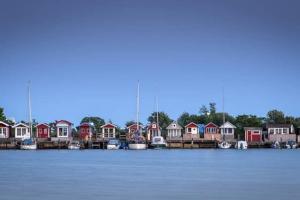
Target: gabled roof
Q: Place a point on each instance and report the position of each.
(134, 126)
(279, 125)
(85, 124)
(192, 124)
(252, 128)
(174, 125)
(109, 125)
(20, 124)
(211, 124)
(5, 124)
(63, 121)
(153, 126)
(44, 124)
(227, 125)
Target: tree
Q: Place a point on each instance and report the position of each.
(97, 121)
(129, 123)
(203, 110)
(212, 108)
(242, 121)
(2, 115)
(163, 119)
(184, 119)
(275, 117)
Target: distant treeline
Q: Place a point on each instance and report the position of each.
(206, 114)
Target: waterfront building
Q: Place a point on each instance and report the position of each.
(227, 131)
(281, 132)
(174, 131)
(108, 131)
(191, 131)
(153, 130)
(253, 134)
(212, 132)
(63, 129)
(43, 131)
(21, 131)
(85, 131)
(4, 130)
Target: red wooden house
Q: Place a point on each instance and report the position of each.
(191, 131)
(211, 132)
(108, 131)
(133, 128)
(85, 131)
(253, 134)
(43, 131)
(4, 130)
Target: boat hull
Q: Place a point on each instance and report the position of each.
(73, 147)
(113, 147)
(224, 145)
(137, 146)
(28, 147)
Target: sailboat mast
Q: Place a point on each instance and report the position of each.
(157, 111)
(29, 109)
(223, 105)
(138, 106)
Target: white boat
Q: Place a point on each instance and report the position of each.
(137, 146)
(241, 145)
(158, 142)
(28, 144)
(291, 145)
(276, 145)
(74, 145)
(113, 144)
(137, 141)
(224, 145)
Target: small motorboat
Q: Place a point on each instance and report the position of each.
(224, 145)
(291, 145)
(158, 142)
(28, 144)
(241, 145)
(113, 144)
(276, 145)
(74, 145)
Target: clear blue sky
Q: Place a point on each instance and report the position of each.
(84, 57)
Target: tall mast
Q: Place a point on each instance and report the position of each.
(223, 105)
(29, 109)
(138, 106)
(157, 111)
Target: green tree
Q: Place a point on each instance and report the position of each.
(97, 121)
(2, 115)
(275, 117)
(164, 119)
(242, 121)
(184, 119)
(203, 110)
(212, 108)
(129, 123)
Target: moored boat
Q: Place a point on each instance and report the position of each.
(74, 145)
(276, 145)
(158, 142)
(291, 145)
(224, 145)
(113, 144)
(28, 144)
(241, 145)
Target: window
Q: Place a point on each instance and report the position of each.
(45, 131)
(111, 135)
(1, 131)
(256, 132)
(83, 130)
(23, 131)
(111, 130)
(280, 131)
(229, 130)
(271, 131)
(63, 131)
(106, 135)
(19, 132)
(285, 131)
(189, 130)
(106, 130)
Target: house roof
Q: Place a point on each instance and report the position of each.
(85, 124)
(20, 124)
(279, 125)
(227, 125)
(108, 125)
(253, 128)
(171, 126)
(5, 124)
(211, 125)
(192, 124)
(63, 121)
(134, 126)
(42, 124)
(153, 126)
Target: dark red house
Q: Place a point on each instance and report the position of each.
(253, 134)
(85, 131)
(4, 130)
(43, 131)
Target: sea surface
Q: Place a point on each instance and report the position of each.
(150, 174)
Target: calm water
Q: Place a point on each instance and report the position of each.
(151, 174)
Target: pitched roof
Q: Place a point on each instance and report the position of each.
(63, 121)
(192, 124)
(108, 125)
(5, 124)
(211, 124)
(45, 124)
(279, 125)
(20, 124)
(174, 125)
(252, 128)
(227, 125)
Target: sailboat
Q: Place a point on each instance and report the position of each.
(137, 141)
(29, 143)
(224, 144)
(158, 142)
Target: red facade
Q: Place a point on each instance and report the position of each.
(133, 128)
(43, 131)
(253, 135)
(211, 128)
(85, 131)
(5, 130)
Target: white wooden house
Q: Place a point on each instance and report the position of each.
(21, 131)
(227, 131)
(174, 130)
